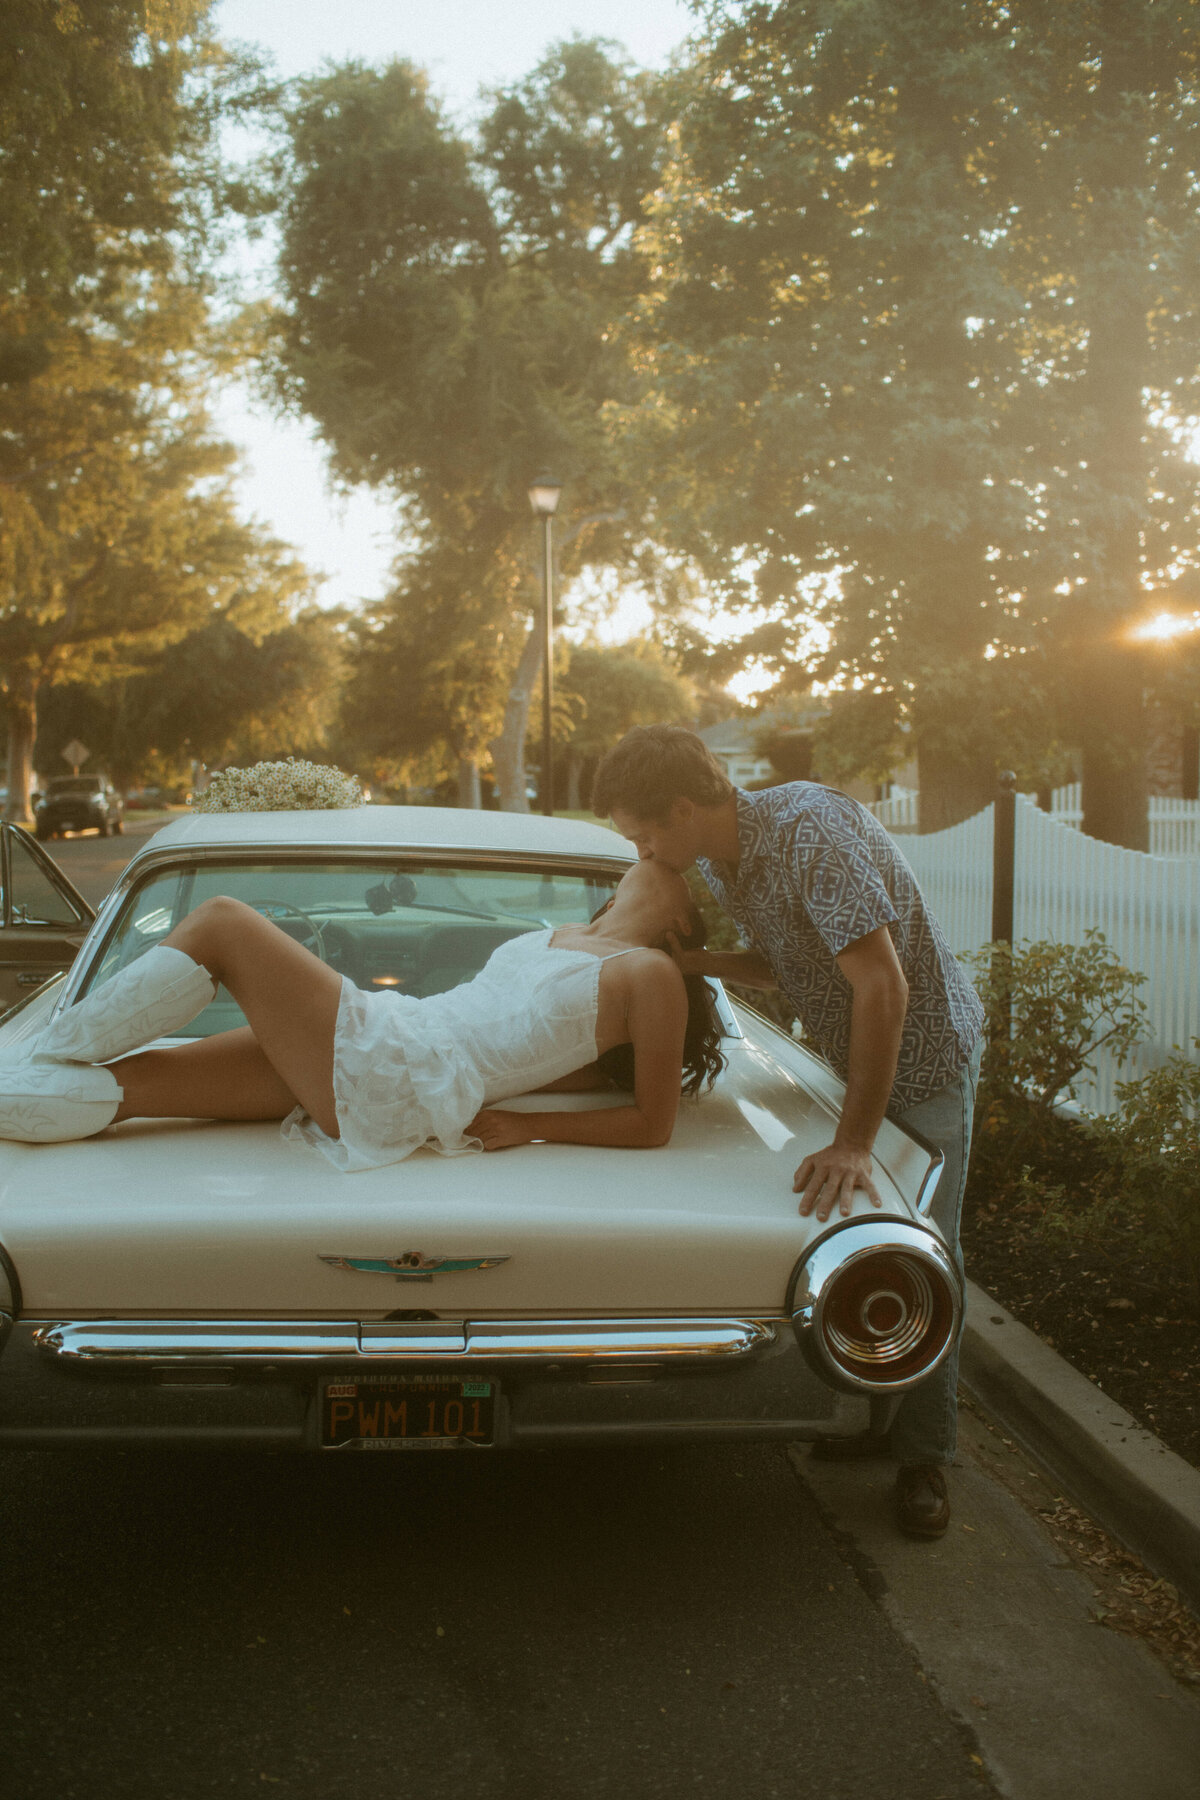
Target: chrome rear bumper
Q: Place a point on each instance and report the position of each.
(277, 1344)
(223, 1384)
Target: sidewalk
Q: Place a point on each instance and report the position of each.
(1005, 1628)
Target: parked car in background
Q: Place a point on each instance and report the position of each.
(207, 1283)
(78, 803)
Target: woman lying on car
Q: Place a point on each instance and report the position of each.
(367, 1078)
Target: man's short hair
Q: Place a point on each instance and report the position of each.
(652, 767)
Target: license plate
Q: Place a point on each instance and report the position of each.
(408, 1412)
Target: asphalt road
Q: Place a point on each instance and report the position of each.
(623, 1625)
(581, 1624)
(93, 863)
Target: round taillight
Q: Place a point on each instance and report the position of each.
(877, 1304)
(887, 1315)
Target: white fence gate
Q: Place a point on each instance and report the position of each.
(1174, 824)
(1148, 907)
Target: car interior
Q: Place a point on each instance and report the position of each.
(409, 927)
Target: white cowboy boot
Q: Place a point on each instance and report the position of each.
(49, 1103)
(154, 996)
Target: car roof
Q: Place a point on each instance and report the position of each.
(392, 828)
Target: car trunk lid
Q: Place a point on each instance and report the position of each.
(169, 1218)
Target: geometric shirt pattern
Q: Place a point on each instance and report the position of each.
(816, 872)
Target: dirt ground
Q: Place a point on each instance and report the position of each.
(1117, 1317)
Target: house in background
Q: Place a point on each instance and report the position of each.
(741, 746)
(732, 742)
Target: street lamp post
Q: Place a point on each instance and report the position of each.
(543, 498)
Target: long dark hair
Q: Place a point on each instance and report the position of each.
(702, 1057)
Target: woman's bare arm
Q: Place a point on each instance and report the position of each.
(656, 1015)
(591, 1079)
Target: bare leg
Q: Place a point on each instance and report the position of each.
(290, 999)
(224, 1077)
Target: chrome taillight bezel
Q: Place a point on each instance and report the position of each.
(835, 1258)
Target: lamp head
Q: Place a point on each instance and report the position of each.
(543, 495)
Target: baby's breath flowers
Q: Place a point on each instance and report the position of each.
(291, 786)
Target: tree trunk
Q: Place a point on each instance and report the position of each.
(21, 708)
(1105, 670)
(468, 783)
(951, 787)
(574, 771)
(1116, 803)
(508, 750)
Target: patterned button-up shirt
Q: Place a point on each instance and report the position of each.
(817, 872)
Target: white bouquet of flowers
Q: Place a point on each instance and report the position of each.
(291, 786)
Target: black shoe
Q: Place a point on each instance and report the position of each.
(864, 1446)
(921, 1502)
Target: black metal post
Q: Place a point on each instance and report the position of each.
(546, 784)
(1004, 843)
(1004, 839)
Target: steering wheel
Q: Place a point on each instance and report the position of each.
(312, 929)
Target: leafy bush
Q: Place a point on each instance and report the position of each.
(1083, 1179)
(1153, 1146)
(1050, 1008)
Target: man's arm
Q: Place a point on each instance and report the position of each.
(745, 967)
(880, 1001)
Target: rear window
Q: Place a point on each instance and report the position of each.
(412, 927)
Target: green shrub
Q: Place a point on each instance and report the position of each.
(1083, 1179)
(1050, 1008)
(1153, 1144)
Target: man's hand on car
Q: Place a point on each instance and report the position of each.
(831, 1177)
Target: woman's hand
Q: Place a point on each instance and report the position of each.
(500, 1130)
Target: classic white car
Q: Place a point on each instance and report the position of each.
(194, 1283)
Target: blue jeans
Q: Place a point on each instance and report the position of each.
(925, 1426)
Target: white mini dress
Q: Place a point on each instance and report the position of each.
(409, 1073)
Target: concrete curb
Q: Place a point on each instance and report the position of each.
(1126, 1478)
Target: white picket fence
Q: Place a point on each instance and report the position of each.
(1174, 824)
(1148, 907)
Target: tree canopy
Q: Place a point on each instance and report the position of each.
(117, 526)
(447, 320)
(916, 355)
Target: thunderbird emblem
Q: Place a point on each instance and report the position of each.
(412, 1265)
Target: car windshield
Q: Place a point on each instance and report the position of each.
(74, 784)
(417, 928)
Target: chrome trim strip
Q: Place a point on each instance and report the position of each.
(429, 1337)
(723, 1007)
(414, 1265)
(117, 1343)
(113, 1342)
(933, 1175)
(618, 1340)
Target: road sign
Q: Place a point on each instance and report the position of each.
(75, 753)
